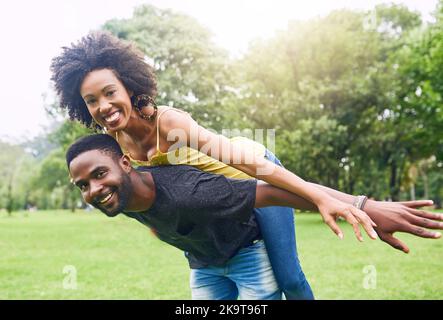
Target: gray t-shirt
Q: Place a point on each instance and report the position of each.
(206, 215)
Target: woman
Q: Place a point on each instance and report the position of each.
(104, 82)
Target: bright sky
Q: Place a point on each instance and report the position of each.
(32, 33)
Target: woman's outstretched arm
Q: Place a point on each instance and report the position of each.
(390, 217)
(174, 126)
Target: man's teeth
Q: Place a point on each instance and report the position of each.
(112, 117)
(106, 198)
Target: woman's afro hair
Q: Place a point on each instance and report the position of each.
(99, 50)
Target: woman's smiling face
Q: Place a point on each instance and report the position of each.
(107, 99)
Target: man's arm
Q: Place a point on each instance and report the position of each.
(390, 217)
(267, 196)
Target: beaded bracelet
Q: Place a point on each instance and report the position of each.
(360, 201)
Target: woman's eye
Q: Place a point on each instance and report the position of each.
(110, 93)
(90, 102)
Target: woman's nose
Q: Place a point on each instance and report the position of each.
(104, 106)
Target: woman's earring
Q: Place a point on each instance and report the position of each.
(143, 100)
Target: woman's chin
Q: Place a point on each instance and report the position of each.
(112, 129)
(121, 125)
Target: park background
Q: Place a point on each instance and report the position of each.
(354, 97)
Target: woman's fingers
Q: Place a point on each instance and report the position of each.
(333, 225)
(352, 221)
(365, 221)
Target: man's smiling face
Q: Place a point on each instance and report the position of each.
(102, 181)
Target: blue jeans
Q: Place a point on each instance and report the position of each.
(260, 271)
(248, 276)
(278, 231)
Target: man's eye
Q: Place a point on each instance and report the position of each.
(83, 187)
(101, 174)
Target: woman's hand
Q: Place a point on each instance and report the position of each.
(394, 217)
(331, 209)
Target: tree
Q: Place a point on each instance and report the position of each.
(54, 176)
(193, 73)
(15, 173)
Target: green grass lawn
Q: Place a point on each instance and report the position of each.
(120, 259)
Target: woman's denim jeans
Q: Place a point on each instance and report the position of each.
(278, 231)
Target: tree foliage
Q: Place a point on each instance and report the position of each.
(355, 99)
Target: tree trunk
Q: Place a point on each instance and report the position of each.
(393, 186)
(425, 185)
(9, 199)
(412, 192)
(351, 181)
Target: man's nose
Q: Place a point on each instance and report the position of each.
(94, 190)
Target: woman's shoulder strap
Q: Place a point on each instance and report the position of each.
(163, 111)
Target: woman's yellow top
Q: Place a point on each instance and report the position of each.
(190, 156)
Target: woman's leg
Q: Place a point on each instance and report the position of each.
(278, 231)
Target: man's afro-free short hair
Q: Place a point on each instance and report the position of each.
(102, 142)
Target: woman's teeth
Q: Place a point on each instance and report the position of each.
(112, 117)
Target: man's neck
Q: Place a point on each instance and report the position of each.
(143, 191)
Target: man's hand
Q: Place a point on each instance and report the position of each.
(392, 217)
(331, 209)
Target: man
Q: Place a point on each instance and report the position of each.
(210, 217)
